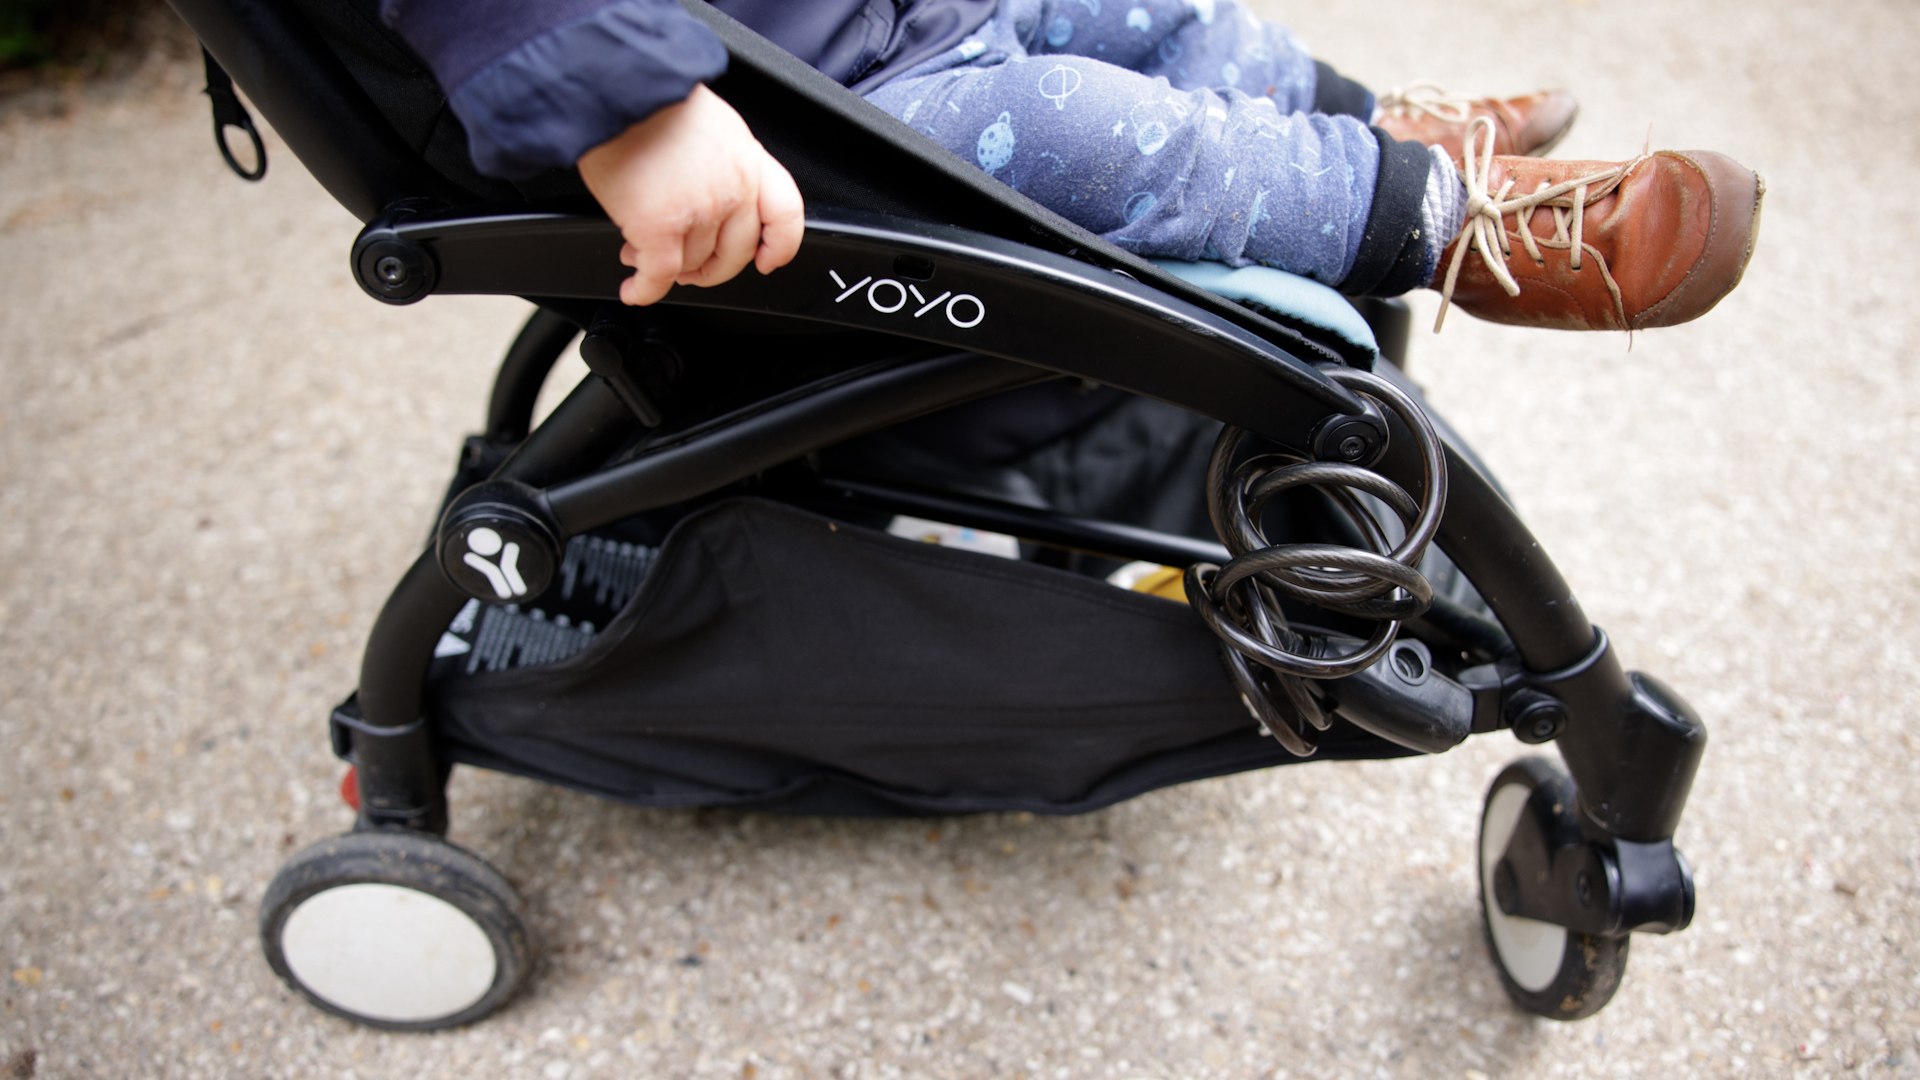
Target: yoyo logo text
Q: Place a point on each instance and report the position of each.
(887, 296)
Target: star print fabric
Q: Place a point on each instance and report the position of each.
(1173, 128)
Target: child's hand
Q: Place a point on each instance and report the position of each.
(696, 197)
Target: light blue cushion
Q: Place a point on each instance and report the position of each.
(1291, 297)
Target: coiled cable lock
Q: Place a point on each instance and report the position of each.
(1241, 601)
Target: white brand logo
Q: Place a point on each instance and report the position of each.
(887, 296)
(482, 544)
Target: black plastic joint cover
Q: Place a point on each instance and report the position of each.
(638, 369)
(1403, 699)
(1361, 439)
(498, 542)
(1608, 889)
(1656, 887)
(1631, 743)
(393, 270)
(346, 729)
(390, 266)
(400, 782)
(1490, 686)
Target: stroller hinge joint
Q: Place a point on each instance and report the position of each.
(498, 542)
(1360, 439)
(1611, 887)
(390, 265)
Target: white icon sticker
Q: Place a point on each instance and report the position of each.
(483, 544)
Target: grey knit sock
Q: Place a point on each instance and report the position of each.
(1443, 213)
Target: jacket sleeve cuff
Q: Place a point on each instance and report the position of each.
(1393, 255)
(1337, 95)
(558, 95)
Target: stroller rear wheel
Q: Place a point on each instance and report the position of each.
(396, 930)
(1548, 970)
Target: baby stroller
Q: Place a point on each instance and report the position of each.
(687, 586)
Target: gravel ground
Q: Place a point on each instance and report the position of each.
(216, 455)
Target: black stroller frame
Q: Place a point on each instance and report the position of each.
(923, 297)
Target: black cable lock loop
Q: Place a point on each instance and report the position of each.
(1380, 581)
(228, 112)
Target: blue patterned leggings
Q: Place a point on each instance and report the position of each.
(1174, 128)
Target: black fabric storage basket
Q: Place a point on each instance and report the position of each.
(776, 658)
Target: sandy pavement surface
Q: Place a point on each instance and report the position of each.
(216, 455)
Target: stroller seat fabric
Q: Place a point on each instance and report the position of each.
(780, 658)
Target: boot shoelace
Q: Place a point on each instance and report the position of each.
(1486, 233)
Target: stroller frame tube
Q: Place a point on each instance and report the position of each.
(529, 361)
(1632, 745)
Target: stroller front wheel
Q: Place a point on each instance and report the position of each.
(1548, 970)
(396, 930)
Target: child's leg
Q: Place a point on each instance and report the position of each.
(1219, 174)
(1187, 174)
(1216, 44)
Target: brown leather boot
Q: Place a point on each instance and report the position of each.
(1530, 124)
(1587, 245)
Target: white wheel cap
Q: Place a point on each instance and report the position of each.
(1529, 950)
(387, 952)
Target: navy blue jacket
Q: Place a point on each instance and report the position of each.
(537, 83)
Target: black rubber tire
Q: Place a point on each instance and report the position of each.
(418, 862)
(1589, 967)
